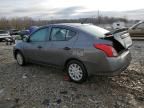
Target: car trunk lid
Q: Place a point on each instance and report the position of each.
(121, 39)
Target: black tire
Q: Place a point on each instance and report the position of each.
(82, 69)
(19, 56)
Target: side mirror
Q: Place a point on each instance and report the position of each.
(26, 39)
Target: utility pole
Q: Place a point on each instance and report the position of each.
(98, 17)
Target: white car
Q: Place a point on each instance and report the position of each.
(4, 35)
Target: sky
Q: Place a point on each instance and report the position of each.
(55, 9)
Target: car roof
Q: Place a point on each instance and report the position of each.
(6, 31)
(3, 30)
(140, 22)
(74, 25)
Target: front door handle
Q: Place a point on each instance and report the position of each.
(39, 47)
(67, 48)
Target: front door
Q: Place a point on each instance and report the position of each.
(38, 44)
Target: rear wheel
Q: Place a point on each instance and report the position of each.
(77, 71)
(1, 40)
(20, 59)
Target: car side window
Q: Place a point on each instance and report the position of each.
(39, 35)
(60, 34)
(70, 34)
(141, 26)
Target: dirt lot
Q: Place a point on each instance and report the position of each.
(35, 86)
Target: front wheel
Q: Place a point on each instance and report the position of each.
(77, 71)
(20, 59)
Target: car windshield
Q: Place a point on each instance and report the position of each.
(95, 30)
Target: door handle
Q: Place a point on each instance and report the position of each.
(39, 47)
(67, 48)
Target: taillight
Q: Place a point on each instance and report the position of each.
(108, 35)
(107, 49)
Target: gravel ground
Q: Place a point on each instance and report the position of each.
(35, 86)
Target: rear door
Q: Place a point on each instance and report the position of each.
(62, 41)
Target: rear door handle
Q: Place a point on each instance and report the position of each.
(39, 47)
(67, 48)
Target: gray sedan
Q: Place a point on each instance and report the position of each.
(80, 49)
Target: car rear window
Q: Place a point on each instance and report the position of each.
(94, 30)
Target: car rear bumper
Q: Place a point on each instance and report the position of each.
(111, 66)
